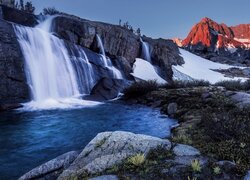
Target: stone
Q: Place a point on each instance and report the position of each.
(187, 160)
(52, 168)
(227, 165)
(6, 107)
(242, 99)
(185, 150)
(107, 89)
(172, 109)
(105, 177)
(247, 177)
(110, 148)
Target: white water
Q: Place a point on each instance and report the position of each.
(146, 55)
(106, 61)
(56, 80)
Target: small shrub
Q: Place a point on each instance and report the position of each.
(187, 84)
(137, 160)
(141, 88)
(50, 11)
(182, 138)
(196, 167)
(235, 85)
(216, 170)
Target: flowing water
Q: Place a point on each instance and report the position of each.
(146, 55)
(30, 138)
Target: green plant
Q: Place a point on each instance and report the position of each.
(216, 170)
(182, 138)
(234, 85)
(186, 84)
(196, 167)
(193, 178)
(137, 160)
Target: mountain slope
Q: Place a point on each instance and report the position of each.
(219, 42)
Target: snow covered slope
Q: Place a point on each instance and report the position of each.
(145, 71)
(200, 68)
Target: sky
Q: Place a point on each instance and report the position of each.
(155, 18)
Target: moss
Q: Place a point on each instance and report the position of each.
(101, 142)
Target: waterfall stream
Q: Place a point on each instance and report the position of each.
(57, 75)
(146, 55)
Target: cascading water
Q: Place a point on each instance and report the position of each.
(146, 55)
(107, 62)
(55, 78)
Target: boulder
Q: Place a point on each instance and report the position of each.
(107, 89)
(105, 177)
(187, 160)
(51, 169)
(185, 150)
(241, 99)
(110, 148)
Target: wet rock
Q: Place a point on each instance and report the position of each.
(185, 150)
(106, 177)
(6, 107)
(13, 87)
(107, 88)
(110, 148)
(53, 168)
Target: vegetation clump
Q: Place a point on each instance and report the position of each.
(235, 85)
(141, 88)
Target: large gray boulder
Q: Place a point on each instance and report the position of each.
(110, 148)
(53, 168)
(241, 99)
(185, 150)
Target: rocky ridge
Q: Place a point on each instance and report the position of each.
(219, 42)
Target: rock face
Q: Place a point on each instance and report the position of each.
(121, 45)
(17, 16)
(53, 168)
(107, 89)
(218, 42)
(13, 81)
(110, 148)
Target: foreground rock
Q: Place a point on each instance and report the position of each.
(53, 168)
(108, 149)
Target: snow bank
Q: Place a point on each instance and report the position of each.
(200, 68)
(145, 71)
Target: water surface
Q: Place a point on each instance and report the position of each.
(28, 139)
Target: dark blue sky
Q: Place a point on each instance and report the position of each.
(156, 18)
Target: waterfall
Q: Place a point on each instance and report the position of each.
(146, 55)
(106, 61)
(54, 77)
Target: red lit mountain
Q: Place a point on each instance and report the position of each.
(218, 42)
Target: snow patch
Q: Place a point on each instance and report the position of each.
(201, 69)
(143, 70)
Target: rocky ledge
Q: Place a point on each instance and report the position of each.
(124, 155)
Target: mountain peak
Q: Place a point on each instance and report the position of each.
(210, 34)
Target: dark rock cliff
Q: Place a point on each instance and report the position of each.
(13, 87)
(121, 46)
